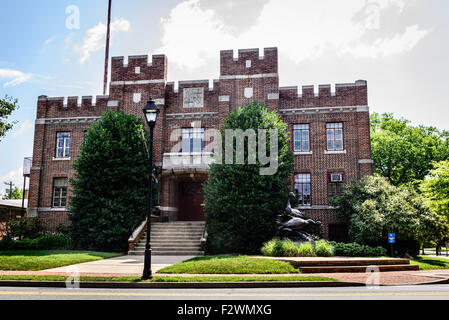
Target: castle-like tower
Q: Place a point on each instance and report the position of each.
(330, 132)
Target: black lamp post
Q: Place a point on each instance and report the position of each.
(151, 112)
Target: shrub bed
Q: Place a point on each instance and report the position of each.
(357, 250)
(288, 248)
(44, 242)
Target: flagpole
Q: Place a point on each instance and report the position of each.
(106, 62)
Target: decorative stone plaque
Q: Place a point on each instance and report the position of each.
(193, 97)
(249, 93)
(137, 97)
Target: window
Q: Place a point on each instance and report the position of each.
(334, 136)
(62, 144)
(335, 183)
(303, 186)
(301, 134)
(59, 192)
(192, 140)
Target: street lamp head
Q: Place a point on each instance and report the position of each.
(151, 112)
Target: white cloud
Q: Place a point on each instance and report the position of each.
(301, 29)
(388, 46)
(48, 41)
(25, 127)
(17, 77)
(95, 38)
(16, 176)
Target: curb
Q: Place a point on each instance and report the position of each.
(180, 285)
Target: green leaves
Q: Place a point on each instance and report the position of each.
(241, 205)
(110, 184)
(404, 153)
(7, 106)
(375, 207)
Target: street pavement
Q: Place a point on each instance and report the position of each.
(424, 292)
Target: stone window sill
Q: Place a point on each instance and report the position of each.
(335, 152)
(62, 159)
(303, 153)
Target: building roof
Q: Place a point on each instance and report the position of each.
(13, 203)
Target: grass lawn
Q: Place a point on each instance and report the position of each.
(175, 279)
(227, 264)
(34, 260)
(240, 279)
(430, 263)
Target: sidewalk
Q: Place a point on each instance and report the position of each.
(128, 266)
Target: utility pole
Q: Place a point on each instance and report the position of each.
(10, 184)
(106, 62)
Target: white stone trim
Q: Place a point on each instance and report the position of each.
(224, 98)
(169, 209)
(121, 83)
(160, 102)
(53, 209)
(250, 76)
(66, 120)
(62, 159)
(303, 153)
(176, 116)
(273, 96)
(113, 103)
(193, 82)
(324, 110)
(335, 152)
(366, 161)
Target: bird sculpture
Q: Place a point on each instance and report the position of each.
(293, 223)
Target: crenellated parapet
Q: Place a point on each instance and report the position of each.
(192, 95)
(86, 106)
(139, 68)
(248, 62)
(346, 94)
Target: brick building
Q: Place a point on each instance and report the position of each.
(330, 132)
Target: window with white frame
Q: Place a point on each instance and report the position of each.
(301, 137)
(192, 140)
(334, 136)
(335, 183)
(303, 184)
(62, 144)
(60, 192)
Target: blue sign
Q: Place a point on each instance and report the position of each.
(392, 238)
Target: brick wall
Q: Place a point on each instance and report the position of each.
(248, 77)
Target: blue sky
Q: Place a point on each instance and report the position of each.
(399, 46)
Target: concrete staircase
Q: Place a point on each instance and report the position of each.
(173, 239)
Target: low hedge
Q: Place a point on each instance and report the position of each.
(44, 242)
(288, 248)
(357, 250)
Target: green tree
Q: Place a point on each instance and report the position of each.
(16, 194)
(435, 188)
(110, 184)
(404, 153)
(241, 204)
(375, 207)
(7, 106)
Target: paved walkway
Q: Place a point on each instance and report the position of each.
(124, 265)
(133, 266)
